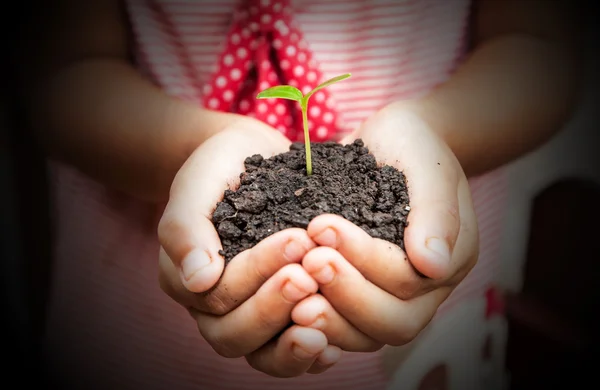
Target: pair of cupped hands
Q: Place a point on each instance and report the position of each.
(292, 303)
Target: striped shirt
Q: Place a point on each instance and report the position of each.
(108, 317)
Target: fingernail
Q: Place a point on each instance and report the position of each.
(193, 262)
(294, 251)
(302, 354)
(325, 275)
(439, 249)
(330, 355)
(327, 237)
(292, 293)
(319, 323)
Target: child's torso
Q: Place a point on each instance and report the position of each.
(108, 314)
(395, 49)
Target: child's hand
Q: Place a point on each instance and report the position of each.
(242, 309)
(370, 294)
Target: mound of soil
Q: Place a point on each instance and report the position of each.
(276, 194)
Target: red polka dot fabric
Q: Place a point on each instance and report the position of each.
(266, 48)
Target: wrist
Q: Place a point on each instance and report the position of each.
(184, 128)
(191, 126)
(433, 119)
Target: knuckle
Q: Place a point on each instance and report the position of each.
(258, 267)
(214, 301)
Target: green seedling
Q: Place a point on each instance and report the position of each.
(292, 93)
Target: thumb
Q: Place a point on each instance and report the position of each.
(185, 231)
(434, 219)
(433, 227)
(404, 140)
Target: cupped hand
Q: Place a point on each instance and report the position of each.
(371, 292)
(243, 309)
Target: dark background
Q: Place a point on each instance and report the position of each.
(553, 321)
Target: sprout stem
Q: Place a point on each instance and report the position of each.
(304, 106)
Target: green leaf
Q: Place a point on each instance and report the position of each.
(281, 91)
(328, 83)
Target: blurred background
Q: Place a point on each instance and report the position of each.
(551, 248)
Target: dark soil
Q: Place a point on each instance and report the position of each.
(277, 194)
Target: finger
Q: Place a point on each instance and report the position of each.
(381, 262)
(466, 249)
(370, 309)
(243, 276)
(170, 282)
(261, 317)
(429, 167)
(317, 313)
(247, 272)
(193, 248)
(185, 230)
(290, 355)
